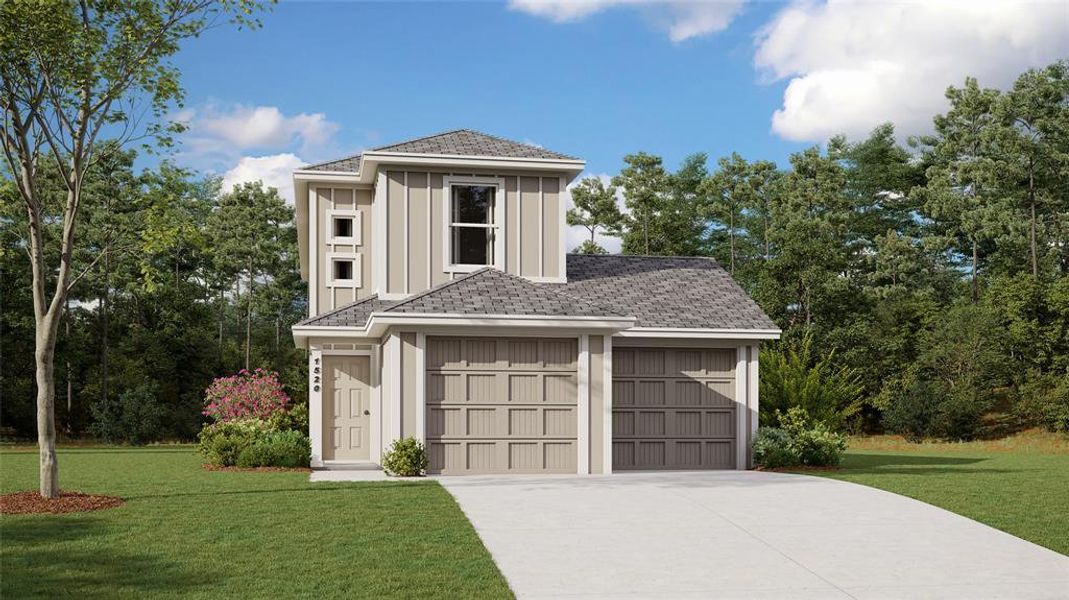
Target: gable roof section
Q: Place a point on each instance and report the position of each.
(487, 291)
(468, 142)
(665, 291)
(459, 142)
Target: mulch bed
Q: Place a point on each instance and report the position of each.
(24, 503)
(257, 469)
(798, 469)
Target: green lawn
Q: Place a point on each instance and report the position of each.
(192, 533)
(1020, 485)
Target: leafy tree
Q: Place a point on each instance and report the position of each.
(68, 72)
(595, 208)
(645, 184)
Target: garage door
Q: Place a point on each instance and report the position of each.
(673, 408)
(501, 405)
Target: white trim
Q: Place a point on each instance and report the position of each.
(365, 352)
(352, 213)
(430, 234)
(393, 346)
(606, 409)
(752, 401)
(379, 322)
(741, 450)
(313, 253)
(315, 405)
(562, 227)
(357, 260)
(545, 279)
(541, 229)
(379, 232)
(328, 176)
(583, 438)
(498, 225)
(519, 226)
(407, 225)
(376, 405)
(700, 333)
(421, 387)
(467, 158)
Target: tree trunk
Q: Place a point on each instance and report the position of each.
(104, 307)
(67, 363)
(44, 354)
(248, 321)
(731, 236)
(646, 232)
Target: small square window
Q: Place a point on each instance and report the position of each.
(343, 227)
(343, 270)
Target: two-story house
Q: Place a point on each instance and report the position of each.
(443, 306)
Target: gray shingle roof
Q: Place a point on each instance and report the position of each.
(349, 164)
(492, 292)
(459, 142)
(665, 291)
(659, 291)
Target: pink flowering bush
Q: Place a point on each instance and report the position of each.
(247, 395)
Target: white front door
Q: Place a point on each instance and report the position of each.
(347, 408)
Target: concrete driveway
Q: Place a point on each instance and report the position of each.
(742, 535)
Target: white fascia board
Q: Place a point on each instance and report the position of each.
(699, 333)
(328, 176)
(572, 167)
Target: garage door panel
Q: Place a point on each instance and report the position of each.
(485, 417)
(673, 408)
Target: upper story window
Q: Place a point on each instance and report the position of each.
(472, 223)
(343, 227)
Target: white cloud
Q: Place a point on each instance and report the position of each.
(275, 171)
(240, 128)
(854, 64)
(681, 19)
(577, 235)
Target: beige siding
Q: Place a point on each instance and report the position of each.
(417, 206)
(329, 198)
(597, 404)
(504, 405)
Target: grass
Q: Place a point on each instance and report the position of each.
(1019, 484)
(186, 532)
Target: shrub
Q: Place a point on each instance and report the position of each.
(256, 395)
(405, 458)
(800, 441)
(135, 417)
(221, 443)
(295, 419)
(772, 448)
(277, 449)
(1044, 400)
(918, 408)
(791, 376)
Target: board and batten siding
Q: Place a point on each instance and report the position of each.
(323, 296)
(416, 204)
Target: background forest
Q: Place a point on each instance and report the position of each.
(922, 288)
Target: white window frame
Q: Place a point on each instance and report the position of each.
(355, 215)
(356, 281)
(497, 228)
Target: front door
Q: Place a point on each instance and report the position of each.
(347, 410)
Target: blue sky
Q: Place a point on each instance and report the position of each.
(597, 78)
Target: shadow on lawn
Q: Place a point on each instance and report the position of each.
(360, 486)
(49, 556)
(907, 464)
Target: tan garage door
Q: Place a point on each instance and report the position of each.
(501, 405)
(673, 408)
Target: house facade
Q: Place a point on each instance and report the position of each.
(443, 306)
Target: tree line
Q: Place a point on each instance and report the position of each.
(936, 271)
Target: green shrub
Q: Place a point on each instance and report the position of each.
(800, 441)
(277, 449)
(295, 418)
(405, 458)
(772, 448)
(221, 443)
(792, 376)
(917, 409)
(1044, 400)
(135, 417)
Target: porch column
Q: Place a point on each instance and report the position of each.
(315, 405)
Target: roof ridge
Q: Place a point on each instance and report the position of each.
(669, 256)
(546, 287)
(339, 309)
(440, 286)
(420, 139)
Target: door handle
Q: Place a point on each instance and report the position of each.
(367, 412)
